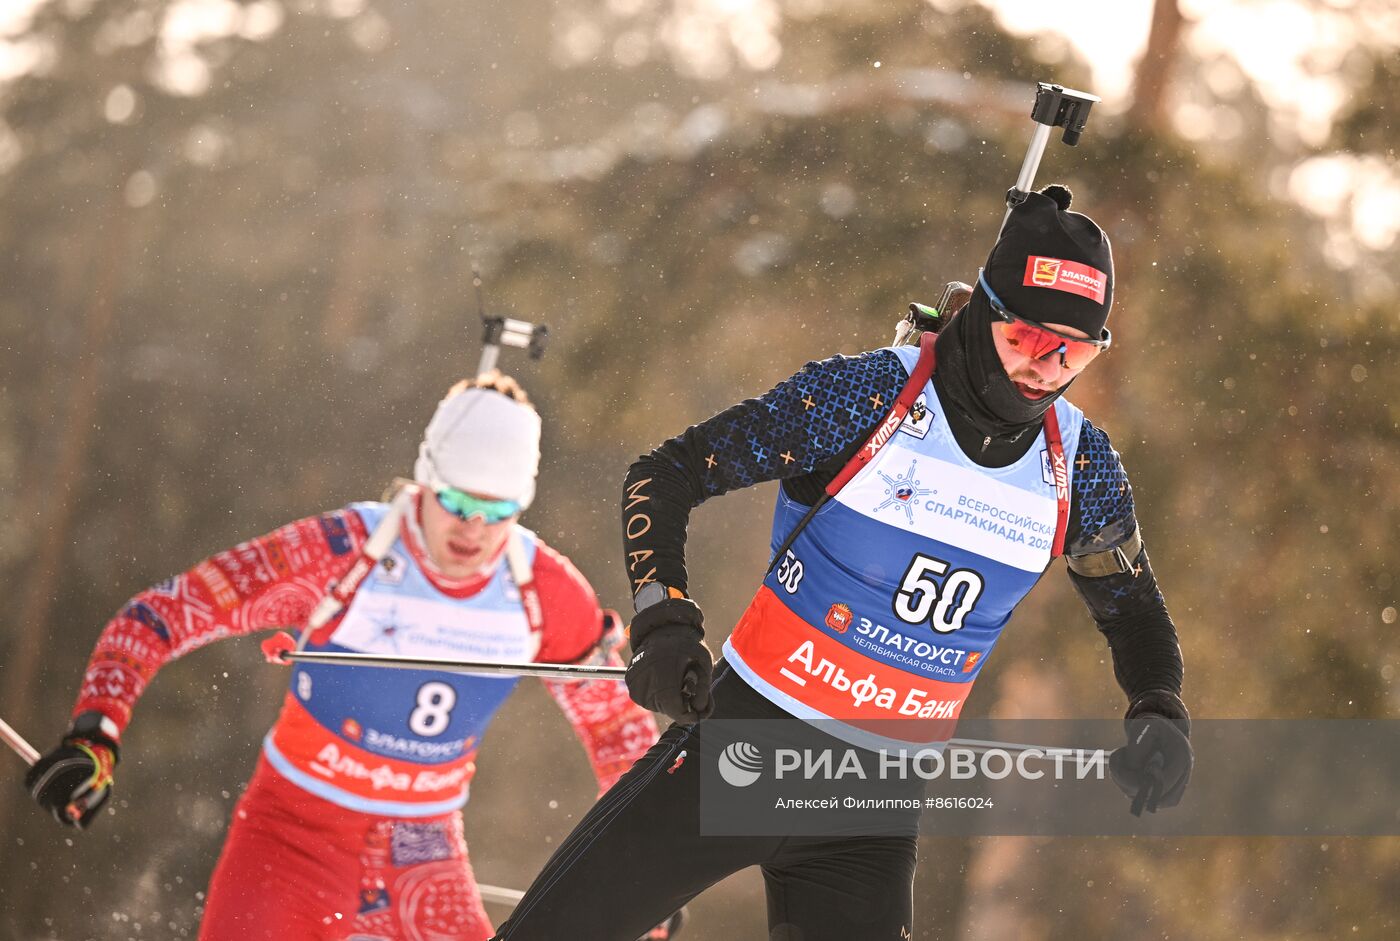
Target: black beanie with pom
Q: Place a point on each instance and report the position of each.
(1051, 265)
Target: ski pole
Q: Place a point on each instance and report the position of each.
(1047, 752)
(570, 671)
(31, 756)
(16, 741)
(499, 895)
(578, 671)
(1055, 106)
(549, 671)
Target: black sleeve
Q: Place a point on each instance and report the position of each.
(801, 432)
(1127, 606)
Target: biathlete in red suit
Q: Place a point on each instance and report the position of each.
(350, 828)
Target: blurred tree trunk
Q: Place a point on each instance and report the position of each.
(1154, 69)
(358, 251)
(61, 486)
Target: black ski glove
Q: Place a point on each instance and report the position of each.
(73, 781)
(671, 667)
(1155, 765)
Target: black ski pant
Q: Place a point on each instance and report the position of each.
(638, 855)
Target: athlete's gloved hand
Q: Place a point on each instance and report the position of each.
(667, 930)
(671, 667)
(73, 781)
(1155, 765)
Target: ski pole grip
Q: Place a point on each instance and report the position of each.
(1152, 790)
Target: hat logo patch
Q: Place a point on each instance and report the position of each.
(1068, 276)
(1044, 271)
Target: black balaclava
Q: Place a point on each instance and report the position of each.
(1048, 265)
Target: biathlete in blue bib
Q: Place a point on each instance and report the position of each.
(924, 492)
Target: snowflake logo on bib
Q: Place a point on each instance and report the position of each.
(903, 491)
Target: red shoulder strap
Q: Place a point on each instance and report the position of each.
(923, 369)
(1059, 470)
(523, 572)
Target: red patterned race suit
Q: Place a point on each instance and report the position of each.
(350, 827)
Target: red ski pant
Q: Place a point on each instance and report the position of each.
(299, 868)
